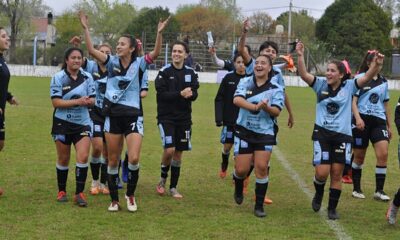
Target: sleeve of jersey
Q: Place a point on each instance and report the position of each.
(241, 89)
(194, 86)
(163, 92)
(219, 103)
(278, 99)
(317, 84)
(55, 88)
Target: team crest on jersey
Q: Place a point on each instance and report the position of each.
(332, 108)
(374, 98)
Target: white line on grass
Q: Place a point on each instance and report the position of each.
(334, 225)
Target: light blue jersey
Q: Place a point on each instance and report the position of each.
(258, 127)
(372, 97)
(69, 120)
(122, 97)
(333, 110)
(100, 81)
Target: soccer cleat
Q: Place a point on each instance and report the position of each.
(391, 214)
(259, 212)
(238, 197)
(332, 214)
(114, 207)
(131, 203)
(161, 187)
(358, 194)
(316, 203)
(222, 174)
(94, 189)
(80, 200)
(347, 179)
(62, 196)
(246, 184)
(104, 189)
(175, 194)
(267, 200)
(125, 171)
(381, 196)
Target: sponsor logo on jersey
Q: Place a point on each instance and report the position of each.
(66, 88)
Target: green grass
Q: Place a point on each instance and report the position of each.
(28, 209)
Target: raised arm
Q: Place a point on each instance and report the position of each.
(242, 43)
(99, 56)
(220, 63)
(374, 68)
(301, 66)
(157, 46)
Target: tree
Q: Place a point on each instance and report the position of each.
(107, 17)
(351, 27)
(18, 14)
(200, 20)
(303, 26)
(261, 23)
(147, 21)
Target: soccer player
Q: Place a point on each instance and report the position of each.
(122, 107)
(98, 161)
(5, 95)
(260, 100)
(72, 91)
(372, 120)
(332, 135)
(176, 85)
(226, 112)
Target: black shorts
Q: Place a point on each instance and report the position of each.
(68, 139)
(176, 136)
(227, 134)
(244, 147)
(2, 128)
(124, 125)
(98, 122)
(375, 130)
(331, 152)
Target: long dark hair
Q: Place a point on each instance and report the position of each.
(367, 60)
(132, 43)
(67, 53)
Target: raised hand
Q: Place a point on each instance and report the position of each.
(162, 24)
(83, 19)
(246, 25)
(300, 48)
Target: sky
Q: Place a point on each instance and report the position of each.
(273, 7)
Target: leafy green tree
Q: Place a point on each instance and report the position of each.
(351, 27)
(303, 25)
(261, 23)
(147, 21)
(19, 13)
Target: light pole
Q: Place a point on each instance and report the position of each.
(290, 22)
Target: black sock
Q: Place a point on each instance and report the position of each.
(164, 171)
(319, 187)
(357, 172)
(62, 176)
(95, 168)
(238, 184)
(133, 177)
(175, 173)
(225, 161)
(80, 175)
(250, 171)
(346, 170)
(113, 186)
(126, 160)
(396, 200)
(380, 177)
(261, 190)
(103, 176)
(334, 196)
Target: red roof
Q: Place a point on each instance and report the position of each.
(39, 24)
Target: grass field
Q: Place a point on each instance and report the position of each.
(28, 209)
